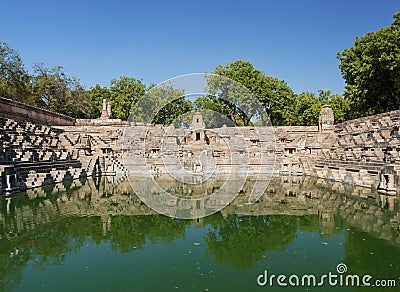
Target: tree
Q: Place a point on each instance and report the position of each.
(162, 104)
(307, 108)
(97, 94)
(55, 91)
(14, 80)
(215, 111)
(125, 92)
(240, 104)
(279, 102)
(273, 94)
(172, 111)
(371, 69)
(341, 106)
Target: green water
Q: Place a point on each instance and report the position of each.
(96, 235)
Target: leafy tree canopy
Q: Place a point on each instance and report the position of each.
(14, 80)
(161, 104)
(238, 105)
(307, 106)
(242, 98)
(125, 92)
(371, 69)
(55, 91)
(97, 94)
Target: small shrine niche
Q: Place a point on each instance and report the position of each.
(197, 121)
(198, 127)
(326, 119)
(106, 110)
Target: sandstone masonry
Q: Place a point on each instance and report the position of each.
(364, 152)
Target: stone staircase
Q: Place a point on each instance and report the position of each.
(364, 150)
(32, 155)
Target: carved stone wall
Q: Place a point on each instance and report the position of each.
(363, 151)
(108, 197)
(33, 155)
(19, 111)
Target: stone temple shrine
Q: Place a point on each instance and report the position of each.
(38, 147)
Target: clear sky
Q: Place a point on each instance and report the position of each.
(296, 41)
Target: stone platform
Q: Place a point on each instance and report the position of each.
(364, 152)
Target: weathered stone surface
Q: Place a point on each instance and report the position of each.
(32, 156)
(108, 197)
(363, 151)
(19, 111)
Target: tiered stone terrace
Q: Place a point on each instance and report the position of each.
(32, 155)
(363, 151)
(109, 197)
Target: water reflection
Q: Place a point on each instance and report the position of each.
(239, 241)
(297, 216)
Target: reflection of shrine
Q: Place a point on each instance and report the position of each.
(387, 183)
(387, 202)
(293, 196)
(191, 187)
(327, 222)
(51, 223)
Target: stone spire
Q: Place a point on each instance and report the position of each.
(326, 119)
(106, 111)
(197, 121)
(109, 114)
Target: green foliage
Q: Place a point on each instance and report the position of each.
(14, 80)
(239, 98)
(284, 107)
(161, 104)
(125, 92)
(55, 91)
(371, 69)
(307, 106)
(240, 241)
(172, 111)
(131, 232)
(340, 105)
(97, 94)
(272, 94)
(215, 111)
(122, 94)
(49, 88)
(279, 102)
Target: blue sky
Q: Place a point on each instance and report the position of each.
(296, 41)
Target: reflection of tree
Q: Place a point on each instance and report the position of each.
(46, 244)
(51, 243)
(45, 230)
(367, 255)
(128, 233)
(11, 271)
(242, 240)
(308, 223)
